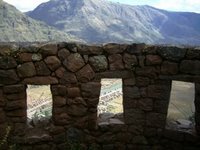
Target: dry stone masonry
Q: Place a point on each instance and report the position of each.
(74, 72)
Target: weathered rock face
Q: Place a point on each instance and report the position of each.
(74, 72)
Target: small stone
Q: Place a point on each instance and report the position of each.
(115, 121)
(85, 74)
(13, 105)
(8, 77)
(16, 113)
(16, 96)
(145, 104)
(91, 89)
(130, 61)
(90, 50)
(156, 120)
(41, 80)
(147, 71)
(74, 62)
(129, 82)
(153, 60)
(26, 70)
(131, 92)
(115, 62)
(112, 48)
(142, 81)
(98, 63)
(25, 57)
(52, 62)
(7, 62)
(14, 89)
(58, 90)
(42, 69)
(49, 49)
(77, 110)
(67, 77)
(59, 101)
(136, 48)
(36, 57)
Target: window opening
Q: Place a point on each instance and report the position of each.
(181, 109)
(110, 107)
(39, 103)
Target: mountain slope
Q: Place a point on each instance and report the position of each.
(17, 27)
(103, 21)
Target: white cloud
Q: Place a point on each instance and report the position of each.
(179, 5)
(25, 5)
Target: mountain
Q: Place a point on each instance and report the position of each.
(17, 27)
(100, 21)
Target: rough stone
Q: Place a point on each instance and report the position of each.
(2, 117)
(150, 72)
(155, 120)
(139, 140)
(91, 89)
(115, 62)
(190, 66)
(98, 63)
(193, 54)
(36, 57)
(63, 54)
(25, 57)
(2, 99)
(77, 110)
(153, 60)
(159, 91)
(145, 104)
(85, 74)
(74, 62)
(59, 101)
(16, 96)
(169, 68)
(58, 90)
(8, 77)
(62, 119)
(172, 53)
(41, 80)
(73, 92)
(14, 88)
(16, 113)
(90, 50)
(26, 70)
(130, 61)
(76, 101)
(42, 69)
(92, 102)
(66, 77)
(129, 82)
(13, 105)
(131, 92)
(136, 48)
(112, 48)
(7, 62)
(115, 74)
(142, 81)
(134, 117)
(52, 62)
(48, 49)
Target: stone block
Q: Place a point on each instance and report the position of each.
(26, 70)
(142, 81)
(16, 113)
(115, 74)
(145, 104)
(92, 102)
(2, 99)
(2, 116)
(66, 76)
(112, 48)
(42, 69)
(153, 60)
(134, 116)
(76, 101)
(172, 53)
(91, 89)
(74, 62)
(161, 92)
(136, 48)
(13, 105)
(62, 119)
(115, 62)
(52, 62)
(136, 129)
(73, 92)
(148, 71)
(140, 140)
(59, 101)
(156, 120)
(77, 110)
(130, 61)
(58, 90)
(8, 77)
(90, 50)
(193, 54)
(190, 67)
(129, 82)
(16, 96)
(63, 54)
(98, 63)
(48, 49)
(169, 68)
(161, 106)
(18, 88)
(85, 74)
(7, 62)
(131, 92)
(41, 80)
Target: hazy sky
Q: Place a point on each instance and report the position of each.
(174, 5)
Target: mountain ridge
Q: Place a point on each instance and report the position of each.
(100, 21)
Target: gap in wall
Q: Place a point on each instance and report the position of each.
(110, 107)
(39, 104)
(181, 108)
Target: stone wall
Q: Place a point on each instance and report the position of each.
(74, 72)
